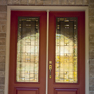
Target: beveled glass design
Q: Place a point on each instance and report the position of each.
(66, 50)
(27, 50)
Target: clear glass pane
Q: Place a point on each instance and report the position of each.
(27, 50)
(66, 50)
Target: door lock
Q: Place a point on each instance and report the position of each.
(50, 69)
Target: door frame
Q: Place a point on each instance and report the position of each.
(48, 8)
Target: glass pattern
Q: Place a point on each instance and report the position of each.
(66, 50)
(27, 50)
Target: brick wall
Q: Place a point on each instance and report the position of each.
(3, 15)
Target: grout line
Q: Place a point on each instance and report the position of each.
(35, 2)
(2, 37)
(6, 2)
(51, 2)
(3, 32)
(12, 1)
(67, 2)
(19, 2)
(2, 85)
(82, 2)
(27, 3)
(59, 2)
(3, 11)
(75, 2)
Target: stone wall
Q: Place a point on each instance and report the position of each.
(3, 15)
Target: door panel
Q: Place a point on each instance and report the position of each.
(27, 91)
(66, 91)
(21, 58)
(64, 85)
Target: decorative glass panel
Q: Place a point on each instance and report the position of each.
(27, 50)
(66, 50)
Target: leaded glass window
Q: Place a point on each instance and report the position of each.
(66, 50)
(27, 50)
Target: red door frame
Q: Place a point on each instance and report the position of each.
(14, 87)
(77, 88)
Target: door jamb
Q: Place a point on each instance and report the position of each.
(48, 8)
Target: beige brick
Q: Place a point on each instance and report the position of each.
(91, 49)
(3, 28)
(86, 2)
(2, 59)
(1, 92)
(91, 55)
(2, 35)
(2, 87)
(91, 61)
(91, 37)
(9, 1)
(2, 53)
(39, 2)
(64, 2)
(3, 16)
(2, 66)
(2, 22)
(91, 12)
(91, 1)
(23, 2)
(91, 31)
(3, 8)
(2, 80)
(91, 88)
(16, 1)
(4, 2)
(31, 2)
(56, 2)
(91, 92)
(2, 41)
(79, 2)
(91, 22)
(91, 67)
(91, 5)
(47, 2)
(71, 2)
(2, 48)
(2, 74)
(91, 82)
(91, 74)
(0, 2)
(91, 44)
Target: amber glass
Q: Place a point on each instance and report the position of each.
(66, 50)
(27, 50)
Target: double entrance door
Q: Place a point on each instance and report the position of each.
(47, 56)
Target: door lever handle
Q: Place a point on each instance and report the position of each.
(50, 69)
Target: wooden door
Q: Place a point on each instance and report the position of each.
(66, 53)
(27, 73)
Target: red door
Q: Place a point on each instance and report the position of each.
(27, 53)
(67, 53)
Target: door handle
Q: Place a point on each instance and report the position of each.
(50, 69)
